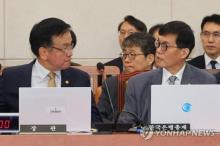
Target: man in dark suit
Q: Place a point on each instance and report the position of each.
(125, 28)
(52, 43)
(176, 41)
(210, 38)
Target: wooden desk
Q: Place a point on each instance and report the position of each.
(106, 140)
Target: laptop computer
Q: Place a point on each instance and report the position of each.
(198, 105)
(70, 106)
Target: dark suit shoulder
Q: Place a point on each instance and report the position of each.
(115, 62)
(202, 76)
(16, 69)
(77, 72)
(76, 77)
(147, 76)
(198, 61)
(18, 74)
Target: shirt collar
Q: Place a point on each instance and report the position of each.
(208, 59)
(167, 74)
(42, 72)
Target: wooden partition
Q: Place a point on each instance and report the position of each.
(107, 140)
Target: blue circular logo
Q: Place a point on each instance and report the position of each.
(186, 107)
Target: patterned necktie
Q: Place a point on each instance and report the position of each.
(213, 62)
(171, 80)
(51, 81)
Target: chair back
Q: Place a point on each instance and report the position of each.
(94, 73)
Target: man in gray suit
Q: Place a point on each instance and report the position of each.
(175, 43)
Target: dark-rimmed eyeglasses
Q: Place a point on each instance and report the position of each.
(163, 45)
(65, 50)
(131, 56)
(206, 34)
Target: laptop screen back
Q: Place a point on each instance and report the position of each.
(67, 105)
(198, 105)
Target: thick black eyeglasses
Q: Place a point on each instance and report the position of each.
(163, 45)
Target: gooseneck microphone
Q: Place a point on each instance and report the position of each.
(138, 121)
(110, 101)
(114, 126)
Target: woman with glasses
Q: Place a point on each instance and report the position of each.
(138, 56)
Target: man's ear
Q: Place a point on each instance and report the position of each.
(185, 52)
(150, 59)
(43, 53)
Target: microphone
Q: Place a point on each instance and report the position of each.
(113, 126)
(123, 127)
(101, 67)
(110, 101)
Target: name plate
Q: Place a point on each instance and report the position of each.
(43, 129)
(168, 127)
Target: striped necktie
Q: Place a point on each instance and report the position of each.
(171, 80)
(51, 81)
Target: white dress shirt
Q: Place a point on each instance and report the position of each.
(167, 74)
(207, 62)
(40, 77)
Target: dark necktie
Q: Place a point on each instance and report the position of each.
(171, 80)
(213, 62)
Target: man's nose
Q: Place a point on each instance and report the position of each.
(69, 53)
(211, 38)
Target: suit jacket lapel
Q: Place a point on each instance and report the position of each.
(65, 79)
(202, 62)
(187, 75)
(28, 74)
(158, 76)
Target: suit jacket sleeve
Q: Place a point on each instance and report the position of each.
(3, 107)
(130, 107)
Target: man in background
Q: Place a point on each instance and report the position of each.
(154, 30)
(129, 25)
(210, 38)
